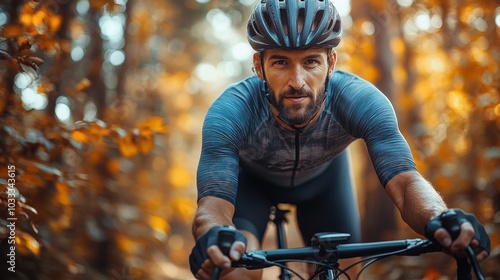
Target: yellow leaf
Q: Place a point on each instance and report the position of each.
(26, 15)
(154, 124)
(146, 143)
(127, 146)
(114, 166)
(26, 244)
(11, 31)
(54, 23)
(83, 84)
(159, 224)
(79, 136)
(63, 194)
(39, 18)
(125, 243)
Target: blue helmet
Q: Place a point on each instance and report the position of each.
(294, 24)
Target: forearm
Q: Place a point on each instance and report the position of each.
(212, 211)
(416, 199)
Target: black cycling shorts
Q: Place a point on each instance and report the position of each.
(326, 203)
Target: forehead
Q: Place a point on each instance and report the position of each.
(294, 54)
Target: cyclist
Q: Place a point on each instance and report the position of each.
(280, 137)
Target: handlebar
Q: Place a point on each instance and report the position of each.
(329, 255)
(264, 258)
(328, 248)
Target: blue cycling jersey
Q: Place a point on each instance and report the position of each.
(240, 131)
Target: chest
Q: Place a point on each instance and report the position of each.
(273, 147)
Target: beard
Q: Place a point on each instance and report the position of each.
(297, 114)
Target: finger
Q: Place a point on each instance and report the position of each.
(202, 275)
(443, 237)
(464, 239)
(207, 266)
(205, 270)
(217, 257)
(475, 246)
(237, 249)
(481, 256)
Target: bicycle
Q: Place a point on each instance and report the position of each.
(327, 248)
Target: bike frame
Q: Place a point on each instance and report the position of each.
(278, 217)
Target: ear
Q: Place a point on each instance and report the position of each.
(332, 60)
(257, 66)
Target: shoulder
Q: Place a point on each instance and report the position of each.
(245, 89)
(239, 105)
(357, 103)
(348, 85)
(247, 92)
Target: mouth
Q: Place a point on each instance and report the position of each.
(296, 99)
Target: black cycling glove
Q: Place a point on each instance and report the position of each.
(451, 220)
(211, 237)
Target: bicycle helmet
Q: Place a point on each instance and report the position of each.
(293, 24)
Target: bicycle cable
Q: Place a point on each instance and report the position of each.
(278, 264)
(372, 259)
(322, 264)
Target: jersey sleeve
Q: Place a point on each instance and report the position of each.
(224, 131)
(368, 114)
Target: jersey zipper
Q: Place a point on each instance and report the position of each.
(298, 131)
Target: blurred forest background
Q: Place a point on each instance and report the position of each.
(102, 102)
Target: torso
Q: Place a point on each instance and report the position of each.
(240, 132)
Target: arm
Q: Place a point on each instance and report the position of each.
(416, 199)
(212, 211)
(217, 179)
(418, 202)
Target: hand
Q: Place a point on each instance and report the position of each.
(206, 254)
(456, 235)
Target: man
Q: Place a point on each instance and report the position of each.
(280, 137)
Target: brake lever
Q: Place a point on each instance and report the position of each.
(251, 260)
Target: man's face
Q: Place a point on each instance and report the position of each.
(296, 81)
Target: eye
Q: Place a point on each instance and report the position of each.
(312, 62)
(280, 62)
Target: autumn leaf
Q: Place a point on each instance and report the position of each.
(124, 243)
(154, 124)
(113, 166)
(27, 244)
(79, 136)
(54, 23)
(146, 142)
(127, 146)
(10, 31)
(83, 84)
(63, 193)
(159, 224)
(39, 19)
(26, 15)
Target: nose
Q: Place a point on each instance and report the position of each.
(296, 77)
